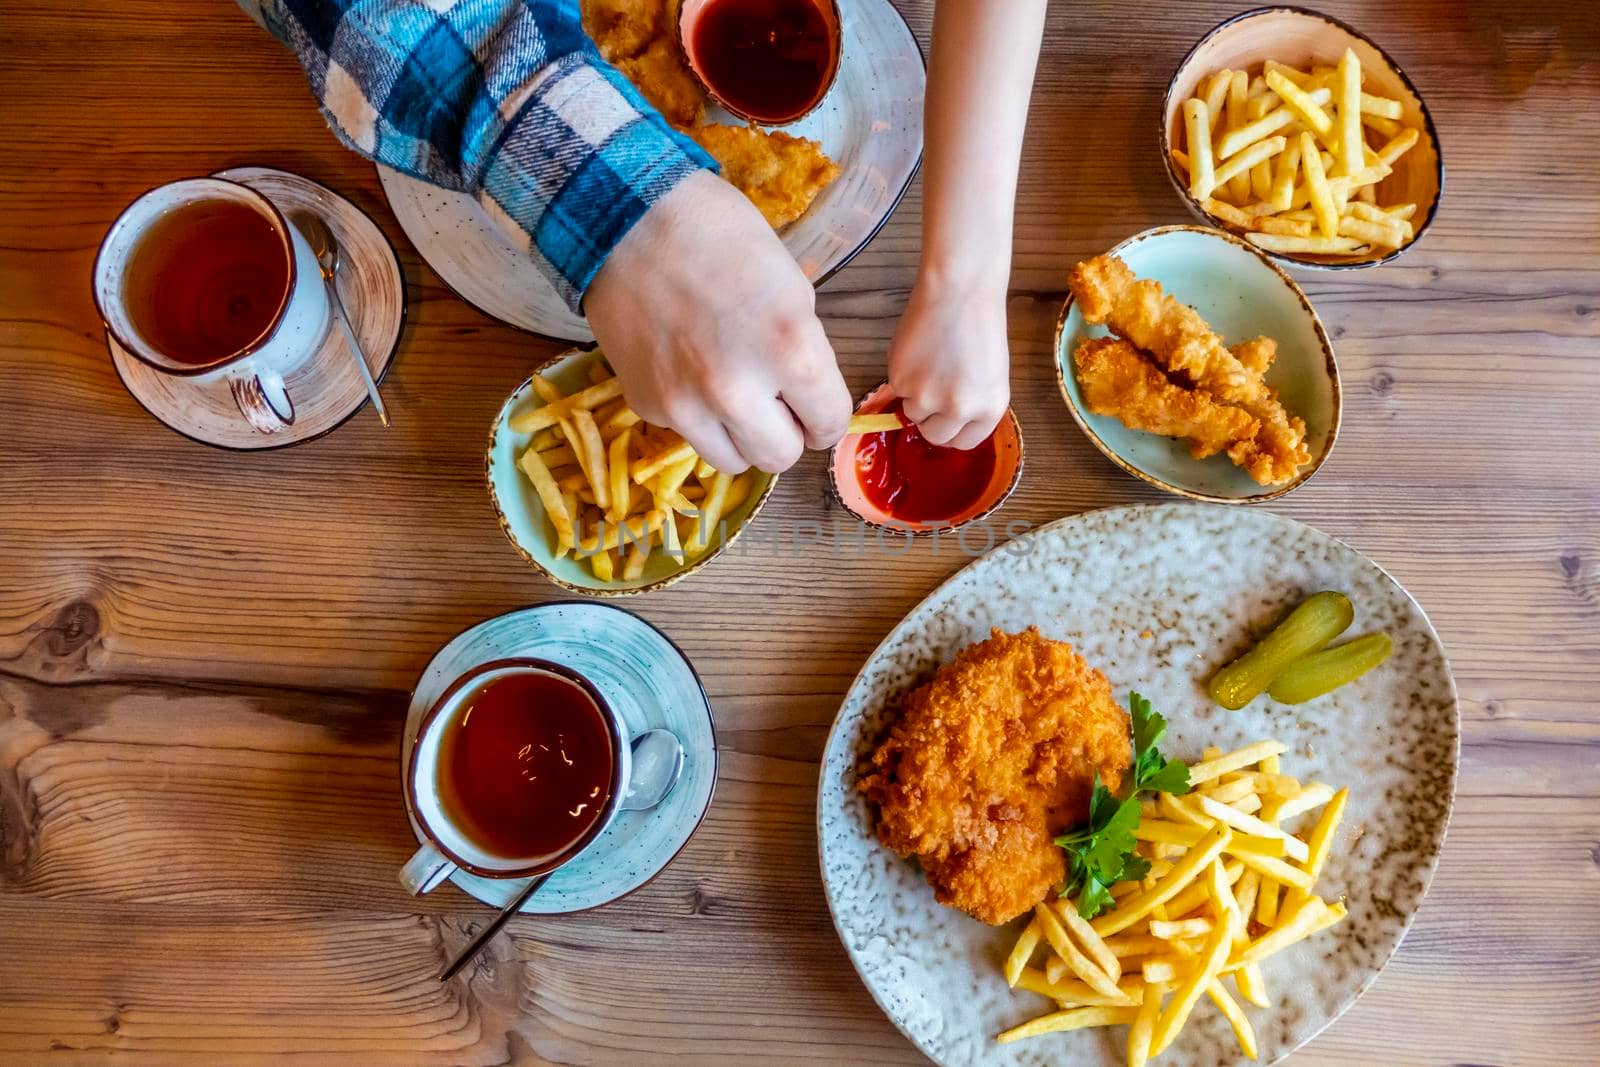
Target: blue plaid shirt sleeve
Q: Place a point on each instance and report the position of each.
(504, 99)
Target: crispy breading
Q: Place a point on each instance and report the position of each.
(621, 29)
(1277, 450)
(664, 79)
(780, 174)
(991, 759)
(1138, 310)
(1118, 381)
(1256, 355)
(1175, 335)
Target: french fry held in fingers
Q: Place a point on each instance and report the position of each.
(1316, 138)
(1203, 925)
(879, 423)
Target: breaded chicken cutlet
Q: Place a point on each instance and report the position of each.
(638, 38)
(780, 174)
(1183, 345)
(989, 761)
(621, 29)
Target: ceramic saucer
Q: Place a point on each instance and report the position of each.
(327, 389)
(870, 123)
(650, 684)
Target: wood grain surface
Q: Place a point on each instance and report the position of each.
(205, 657)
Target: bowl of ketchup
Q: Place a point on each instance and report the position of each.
(900, 480)
(768, 61)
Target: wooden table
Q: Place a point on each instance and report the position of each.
(205, 657)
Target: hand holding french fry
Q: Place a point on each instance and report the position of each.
(710, 325)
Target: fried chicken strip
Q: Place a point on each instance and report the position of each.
(1256, 355)
(780, 174)
(1118, 381)
(621, 29)
(1137, 310)
(663, 77)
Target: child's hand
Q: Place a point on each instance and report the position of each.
(950, 363)
(712, 327)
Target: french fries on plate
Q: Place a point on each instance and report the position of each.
(1300, 139)
(1231, 884)
(616, 490)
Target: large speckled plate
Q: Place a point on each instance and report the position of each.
(870, 123)
(1203, 581)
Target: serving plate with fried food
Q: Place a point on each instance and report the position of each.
(828, 182)
(1197, 365)
(1057, 693)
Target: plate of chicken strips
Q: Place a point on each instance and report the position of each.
(1149, 785)
(1194, 363)
(826, 182)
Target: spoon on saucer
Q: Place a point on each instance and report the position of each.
(326, 249)
(657, 765)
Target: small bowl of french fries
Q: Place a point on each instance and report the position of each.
(602, 502)
(1295, 131)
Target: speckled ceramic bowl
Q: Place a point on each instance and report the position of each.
(1157, 597)
(521, 513)
(1242, 294)
(1299, 37)
(847, 487)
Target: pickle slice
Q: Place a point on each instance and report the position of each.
(1323, 672)
(1319, 619)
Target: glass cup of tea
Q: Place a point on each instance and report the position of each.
(204, 279)
(517, 768)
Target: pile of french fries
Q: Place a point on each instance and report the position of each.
(1292, 158)
(1229, 886)
(616, 489)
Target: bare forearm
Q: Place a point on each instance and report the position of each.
(980, 78)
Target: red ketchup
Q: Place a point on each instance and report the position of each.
(767, 58)
(909, 479)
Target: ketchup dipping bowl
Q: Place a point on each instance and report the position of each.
(900, 485)
(768, 61)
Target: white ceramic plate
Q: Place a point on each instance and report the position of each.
(650, 684)
(1204, 580)
(1241, 294)
(870, 123)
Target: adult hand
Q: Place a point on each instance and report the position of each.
(949, 361)
(712, 328)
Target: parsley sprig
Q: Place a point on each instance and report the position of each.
(1101, 854)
